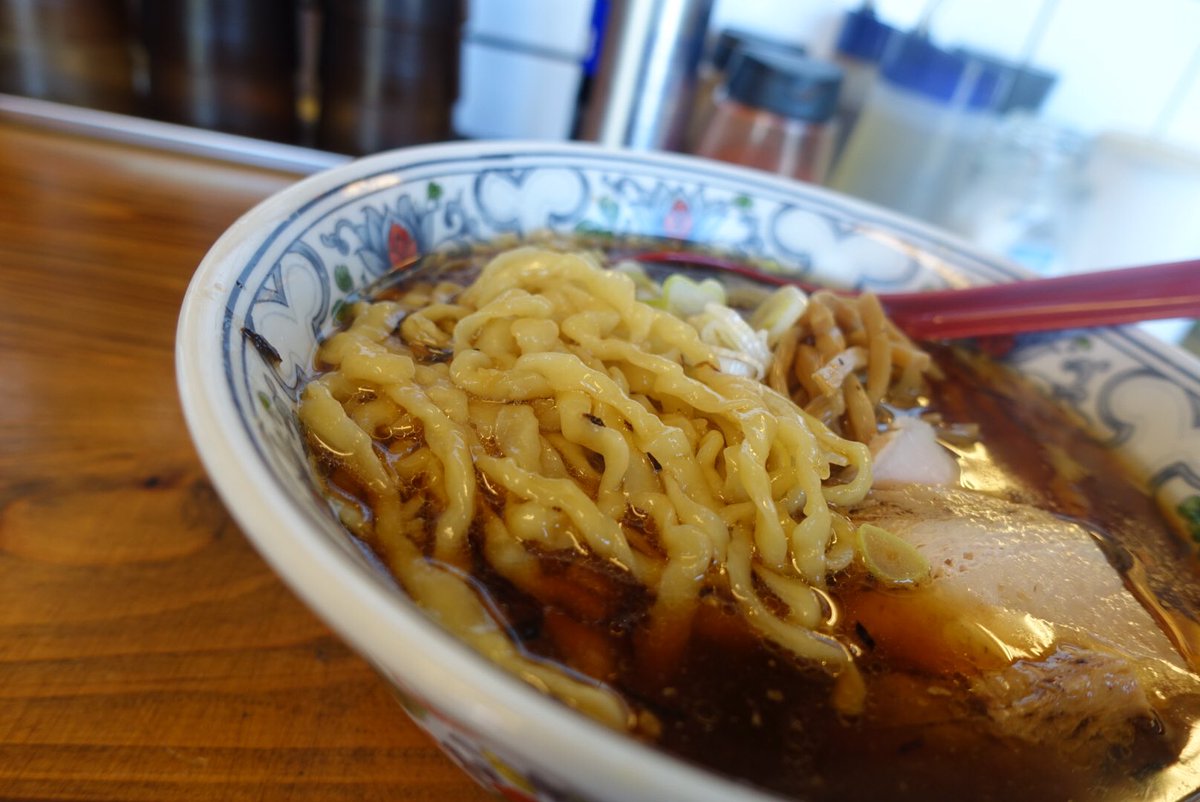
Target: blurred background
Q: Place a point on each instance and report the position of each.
(1064, 134)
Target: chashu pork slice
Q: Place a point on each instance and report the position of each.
(1025, 606)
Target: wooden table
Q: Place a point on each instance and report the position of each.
(146, 651)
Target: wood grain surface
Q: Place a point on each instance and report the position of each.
(146, 651)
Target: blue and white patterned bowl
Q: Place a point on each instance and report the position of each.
(279, 274)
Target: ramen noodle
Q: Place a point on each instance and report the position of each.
(683, 520)
(819, 361)
(508, 386)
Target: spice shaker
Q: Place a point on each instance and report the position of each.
(777, 113)
(924, 117)
(646, 73)
(860, 46)
(714, 72)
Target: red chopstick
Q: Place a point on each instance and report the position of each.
(1082, 300)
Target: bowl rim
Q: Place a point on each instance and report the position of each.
(370, 615)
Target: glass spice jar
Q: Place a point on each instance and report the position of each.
(777, 113)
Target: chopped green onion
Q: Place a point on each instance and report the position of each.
(779, 312)
(685, 297)
(891, 559)
(739, 349)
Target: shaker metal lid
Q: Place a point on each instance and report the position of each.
(731, 40)
(792, 86)
(976, 80)
(863, 35)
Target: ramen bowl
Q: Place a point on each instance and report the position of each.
(276, 281)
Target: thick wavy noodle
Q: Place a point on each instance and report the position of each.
(843, 358)
(543, 411)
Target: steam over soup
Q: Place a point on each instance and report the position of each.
(783, 542)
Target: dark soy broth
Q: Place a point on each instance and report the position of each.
(742, 707)
(738, 705)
